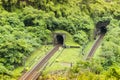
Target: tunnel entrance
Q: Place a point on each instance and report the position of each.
(59, 39)
(103, 30)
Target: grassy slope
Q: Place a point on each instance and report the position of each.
(65, 57)
(68, 56)
(33, 59)
(39, 53)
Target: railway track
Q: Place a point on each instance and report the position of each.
(34, 73)
(95, 46)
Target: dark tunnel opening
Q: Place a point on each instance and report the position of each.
(59, 39)
(103, 30)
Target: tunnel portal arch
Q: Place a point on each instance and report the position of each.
(59, 39)
(101, 28)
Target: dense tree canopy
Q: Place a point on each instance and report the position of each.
(27, 24)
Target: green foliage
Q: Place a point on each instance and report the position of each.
(11, 19)
(111, 54)
(114, 72)
(81, 37)
(18, 39)
(33, 17)
(3, 70)
(26, 24)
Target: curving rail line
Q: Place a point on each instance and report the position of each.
(95, 46)
(34, 72)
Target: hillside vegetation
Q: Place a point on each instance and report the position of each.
(27, 24)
